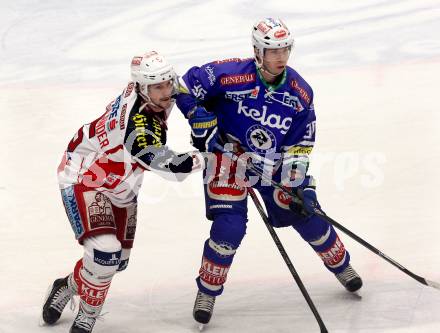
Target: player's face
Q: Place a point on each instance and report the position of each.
(160, 95)
(275, 60)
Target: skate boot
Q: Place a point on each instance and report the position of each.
(203, 307)
(57, 298)
(350, 279)
(82, 323)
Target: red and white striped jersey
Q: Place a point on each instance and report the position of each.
(111, 153)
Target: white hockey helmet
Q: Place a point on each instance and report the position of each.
(270, 33)
(151, 68)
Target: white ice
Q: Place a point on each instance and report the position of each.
(374, 66)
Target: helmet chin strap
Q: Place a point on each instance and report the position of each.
(264, 69)
(148, 101)
(166, 111)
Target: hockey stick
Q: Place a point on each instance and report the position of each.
(281, 249)
(286, 258)
(321, 214)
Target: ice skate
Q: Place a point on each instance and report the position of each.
(82, 323)
(56, 300)
(203, 308)
(350, 279)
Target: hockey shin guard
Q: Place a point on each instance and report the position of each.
(93, 274)
(213, 272)
(323, 238)
(227, 232)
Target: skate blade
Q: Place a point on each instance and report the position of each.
(41, 321)
(201, 327)
(357, 294)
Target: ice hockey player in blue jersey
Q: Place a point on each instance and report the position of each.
(264, 108)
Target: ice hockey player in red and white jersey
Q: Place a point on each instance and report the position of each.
(100, 175)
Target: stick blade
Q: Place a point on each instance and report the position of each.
(433, 284)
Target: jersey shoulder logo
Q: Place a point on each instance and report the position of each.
(302, 92)
(198, 91)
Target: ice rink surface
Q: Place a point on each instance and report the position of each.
(374, 66)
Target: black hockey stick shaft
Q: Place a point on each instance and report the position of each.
(351, 234)
(287, 260)
(378, 252)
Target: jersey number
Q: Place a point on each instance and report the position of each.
(311, 128)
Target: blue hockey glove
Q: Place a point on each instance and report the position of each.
(308, 201)
(204, 132)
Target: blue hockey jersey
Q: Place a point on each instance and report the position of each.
(262, 118)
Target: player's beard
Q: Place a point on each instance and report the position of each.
(164, 103)
(159, 111)
(162, 106)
